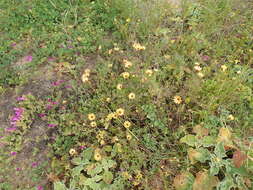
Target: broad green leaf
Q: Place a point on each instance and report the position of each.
(94, 169)
(108, 177)
(77, 170)
(226, 184)
(183, 181)
(87, 153)
(59, 186)
(208, 141)
(76, 161)
(189, 139)
(107, 164)
(199, 154)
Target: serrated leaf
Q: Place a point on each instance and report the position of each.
(189, 140)
(183, 181)
(204, 181)
(108, 177)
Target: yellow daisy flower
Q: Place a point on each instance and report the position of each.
(91, 116)
(127, 63)
(127, 124)
(131, 96)
(149, 72)
(97, 155)
(231, 117)
(72, 152)
(120, 112)
(125, 75)
(85, 78)
(224, 68)
(200, 74)
(138, 46)
(128, 136)
(93, 124)
(119, 86)
(177, 99)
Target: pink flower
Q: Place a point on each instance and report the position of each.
(21, 98)
(11, 129)
(50, 59)
(18, 169)
(39, 187)
(13, 153)
(205, 58)
(51, 125)
(42, 115)
(34, 164)
(28, 58)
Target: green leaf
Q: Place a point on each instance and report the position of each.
(59, 186)
(208, 141)
(94, 169)
(77, 170)
(87, 153)
(108, 177)
(199, 154)
(107, 164)
(220, 150)
(189, 140)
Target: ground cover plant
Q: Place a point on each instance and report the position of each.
(126, 94)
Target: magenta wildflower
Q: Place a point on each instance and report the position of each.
(49, 107)
(13, 44)
(28, 58)
(68, 86)
(82, 147)
(34, 164)
(39, 187)
(13, 153)
(21, 98)
(11, 129)
(42, 115)
(205, 58)
(51, 125)
(18, 169)
(50, 59)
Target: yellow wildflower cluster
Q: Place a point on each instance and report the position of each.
(131, 96)
(100, 136)
(97, 154)
(138, 178)
(149, 72)
(198, 68)
(127, 63)
(138, 46)
(126, 175)
(125, 75)
(92, 117)
(177, 100)
(72, 152)
(85, 75)
(127, 124)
